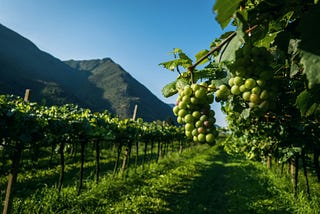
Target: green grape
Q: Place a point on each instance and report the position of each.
(264, 95)
(182, 112)
(187, 91)
(189, 127)
(193, 110)
(223, 92)
(238, 81)
(201, 137)
(188, 118)
(256, 90)
(246, 96)
(195, 132)
(254, 98)
(188, 134)
(243, 88)
(252, 79)
(250, 83)
(176, 110)
(231, 81)
(210, 138)
(235, 90)
(200, 93)
(196, 114)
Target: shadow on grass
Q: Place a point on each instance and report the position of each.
(35, 179)
(226, 185)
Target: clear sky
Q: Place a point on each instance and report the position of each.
(137, 34)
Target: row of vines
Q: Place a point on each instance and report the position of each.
(266, 76)
(29, 128)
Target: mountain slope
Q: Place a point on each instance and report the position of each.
(53, 82)
(23, 65)
(122, 90)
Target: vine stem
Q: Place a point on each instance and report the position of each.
(216, 48)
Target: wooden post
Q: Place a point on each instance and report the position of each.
(12, 178)
(8, 192)
(27, 95)
(135, 112)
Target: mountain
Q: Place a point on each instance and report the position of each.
(94, 84)
(121, 89)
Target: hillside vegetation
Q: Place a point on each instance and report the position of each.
(121, 89)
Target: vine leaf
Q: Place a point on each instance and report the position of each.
(311, 64)
(181, 83)
(309, 46)
(275, 27)
(306, 103)
(225, 9)
(181, 60)
(169, 89)
(172, 88)
(245, 114)
(200, 54)
(228, 51)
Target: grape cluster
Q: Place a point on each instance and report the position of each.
(252, 79)
(193, 110)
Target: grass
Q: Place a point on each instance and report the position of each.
(202, 179)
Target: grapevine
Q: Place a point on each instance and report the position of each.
(266, 77)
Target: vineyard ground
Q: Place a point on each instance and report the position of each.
(202, 179)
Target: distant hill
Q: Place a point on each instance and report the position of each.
(94, 84)
(121, 89)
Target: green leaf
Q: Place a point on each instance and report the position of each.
(309, 47)
(181, 59)
(201, 54)
(306, 102)
(225, 9)
(267, 40)
(228, 51)
(170, 65)
(311, 64)
(294, 69)
(184, 60)
(313, 108)
(176, 50)
(245, 114)
(169, 89)
(181, 83)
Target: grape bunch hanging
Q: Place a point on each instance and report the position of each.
(252, 79)
(193, 110)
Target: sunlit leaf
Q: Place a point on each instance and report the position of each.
(201, 54)
(181, 83)
(225, 9)
(169, 89)
(245, 114)
(228, 51)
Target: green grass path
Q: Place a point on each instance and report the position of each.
(227, 184)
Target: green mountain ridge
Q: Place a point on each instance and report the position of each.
(121, 88)
(96, 84)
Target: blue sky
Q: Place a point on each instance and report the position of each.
(137, 34)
